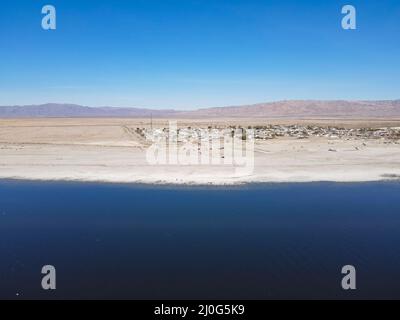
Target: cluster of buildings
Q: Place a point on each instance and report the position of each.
(190, 134)
(304, 132)
(271, 132)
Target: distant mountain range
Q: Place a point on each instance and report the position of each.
(54, 110)
(280, 109)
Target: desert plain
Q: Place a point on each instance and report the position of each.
(113, 150)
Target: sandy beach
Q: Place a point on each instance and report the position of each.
(110, 150)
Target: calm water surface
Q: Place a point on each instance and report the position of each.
(253, 242)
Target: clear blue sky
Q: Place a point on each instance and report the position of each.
(188, 54)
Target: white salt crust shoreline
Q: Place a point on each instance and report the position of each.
(307, 162)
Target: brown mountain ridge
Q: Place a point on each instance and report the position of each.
(279, 109)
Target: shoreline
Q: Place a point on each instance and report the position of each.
(15, 183)
(194, 184)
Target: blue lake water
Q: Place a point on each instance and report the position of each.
(252, 242)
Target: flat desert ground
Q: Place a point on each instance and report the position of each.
(110, 150)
